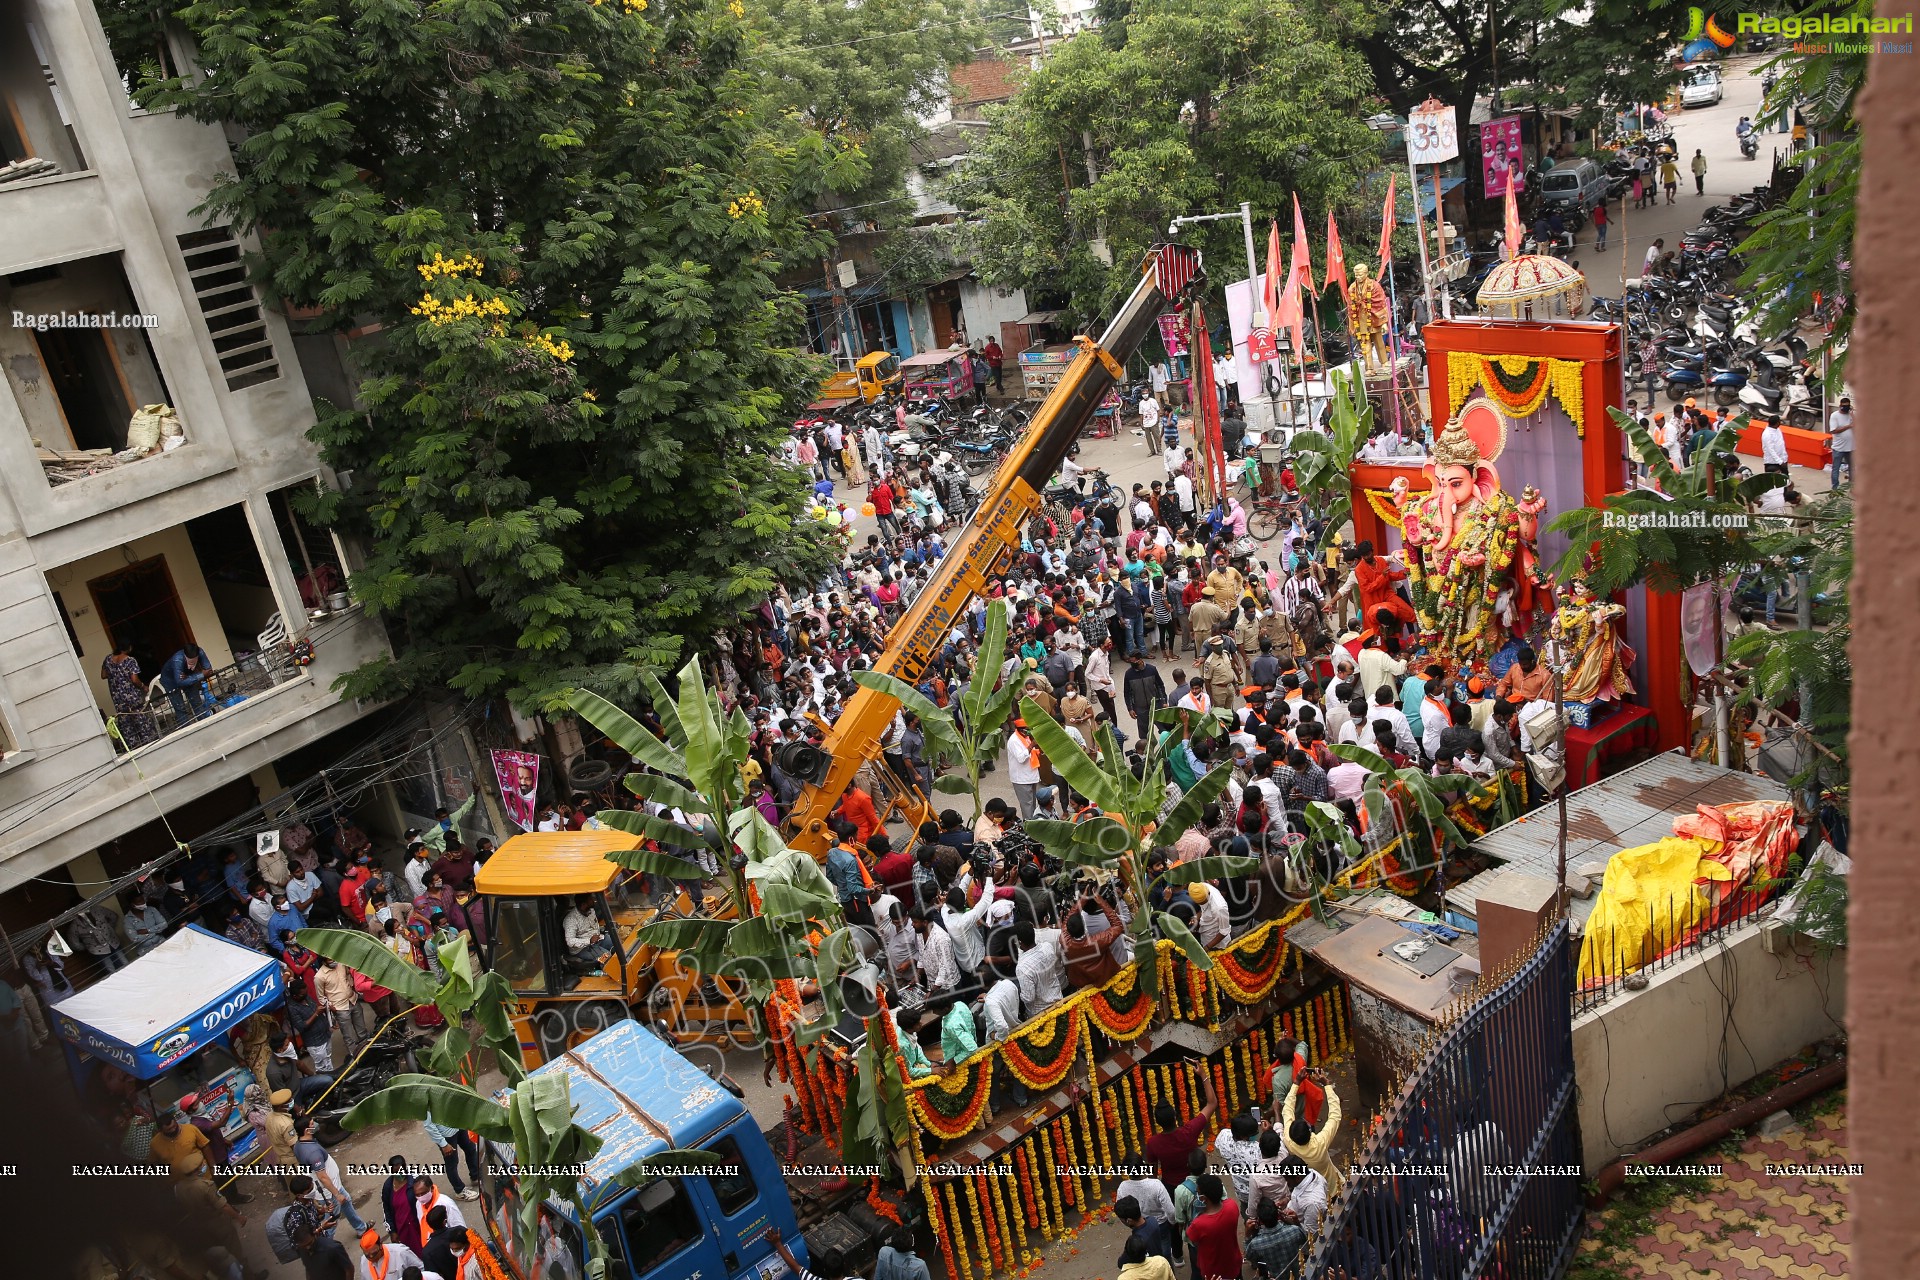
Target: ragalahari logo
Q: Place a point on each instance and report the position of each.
(1705, 36)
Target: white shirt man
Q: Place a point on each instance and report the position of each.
(1002, 1009)
(1041, 971)
(1150, 1194)
(1021, 769)
(963, 927)
(1653, 257)
(1402, 731)
(1195, 700)
(1378, 667)
(1309, 1200)
(1157, 379)
(1224, 373)
(1773, 445)
(580, 927)
(939, 969)
(1150, 415)
(393, 1259)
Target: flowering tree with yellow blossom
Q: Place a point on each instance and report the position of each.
(550, 235)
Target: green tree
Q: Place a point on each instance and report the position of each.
(1599, 58)
(565, 222)
(1203, 104)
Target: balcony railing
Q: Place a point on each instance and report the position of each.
(227, 687)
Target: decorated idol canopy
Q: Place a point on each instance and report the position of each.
(1533, 287)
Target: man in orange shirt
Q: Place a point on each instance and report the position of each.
(857, 807)
(1526, 680)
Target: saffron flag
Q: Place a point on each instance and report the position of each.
(1336, 260)
(1302, 260)
(1386, 228)
(1513, 225)
(1261, 345)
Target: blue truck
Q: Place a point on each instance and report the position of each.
(642, 1097)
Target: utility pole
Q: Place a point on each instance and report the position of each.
(1556, 663)
(1253, 284)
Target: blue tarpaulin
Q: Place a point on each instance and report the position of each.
(1426, 195)
(188, 992)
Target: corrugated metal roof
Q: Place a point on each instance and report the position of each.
(1634, 807)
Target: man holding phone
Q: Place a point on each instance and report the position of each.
(1169, 1148)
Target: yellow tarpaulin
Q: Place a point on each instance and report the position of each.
(1647, 902)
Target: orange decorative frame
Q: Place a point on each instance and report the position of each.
(1598, 347)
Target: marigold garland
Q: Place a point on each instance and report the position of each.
(979, 1225)
(956, 1247)
(1518, 385)
(1023, 1187)
(1120, 1009)
(1250, 969)
(949, 1106)
(880, 1204)
(991, 1220)
(1051, 1181)
(1042, 1059)
(1011, 1224)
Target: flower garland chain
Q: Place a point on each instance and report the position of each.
(1519, 385)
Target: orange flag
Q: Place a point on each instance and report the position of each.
(1336, 260)
(1270, 294)
(1513, 234)
(1386, 228)
(1302, 261)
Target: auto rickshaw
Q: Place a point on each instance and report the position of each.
(531, 884)
(945, 375)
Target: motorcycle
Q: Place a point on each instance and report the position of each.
(384, 1059)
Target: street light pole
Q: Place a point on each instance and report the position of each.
(1260, 316)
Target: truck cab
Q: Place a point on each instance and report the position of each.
(531, 885)
(641, 1097)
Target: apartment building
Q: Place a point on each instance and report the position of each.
(153, 429)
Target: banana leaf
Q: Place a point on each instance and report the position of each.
(1210, 869)
(935, 723)
(1098, 835)
(627, 733)
(663, 707)
(681, 935)
(664, 790)
(1067, 758)
(1194, 803)
(634, 822)
(987, 663)
(1171, 926)
(415, 1097)
(361, 953)
(953, 784)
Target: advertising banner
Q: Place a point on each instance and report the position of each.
(519, 775)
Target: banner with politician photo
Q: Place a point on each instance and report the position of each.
(519, 776)
(1501, 159)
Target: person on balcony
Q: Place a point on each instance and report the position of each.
(184, 677)
(121, 670)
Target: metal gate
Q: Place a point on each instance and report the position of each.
(1473, 1170)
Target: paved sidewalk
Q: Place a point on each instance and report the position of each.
(1750, 1223)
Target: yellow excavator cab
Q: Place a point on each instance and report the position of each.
(531, 885)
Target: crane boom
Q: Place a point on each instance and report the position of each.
(991, 536)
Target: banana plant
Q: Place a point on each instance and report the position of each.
(486, 999)
(1129, 826)
(536, 1118)
(697, 770)
(1430, 807)
(1323, 460)
(974, 737)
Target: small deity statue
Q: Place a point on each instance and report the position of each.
(1474, 561)
(1367, 313)
(1599, 658)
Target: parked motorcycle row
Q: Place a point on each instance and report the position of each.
(1695, 337)
(978, 437)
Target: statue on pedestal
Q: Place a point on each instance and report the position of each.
(1599, 658)
(1473, 557)
(1367, 314)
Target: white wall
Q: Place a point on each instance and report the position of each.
(985, 309)
(1647, 1059)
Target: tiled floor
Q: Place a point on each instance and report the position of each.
(1752, 1223)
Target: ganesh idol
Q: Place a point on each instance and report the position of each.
(1473, 559)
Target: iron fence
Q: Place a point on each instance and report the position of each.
(1614, 958)
(1473, 1168)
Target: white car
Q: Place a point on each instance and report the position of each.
(1701, 88)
